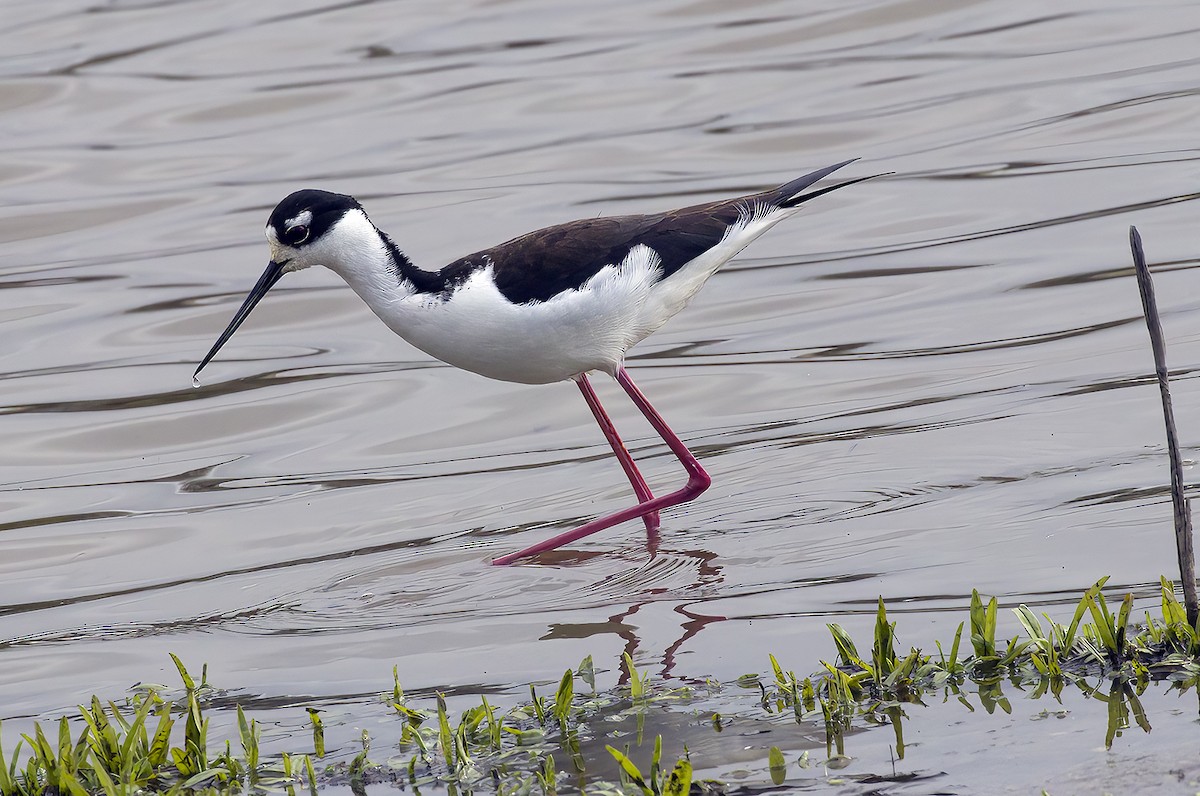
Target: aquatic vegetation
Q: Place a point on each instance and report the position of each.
(158, 740)
(1096, 657)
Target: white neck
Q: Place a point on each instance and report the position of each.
(356, 251)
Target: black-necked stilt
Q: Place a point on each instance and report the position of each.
(548, 306)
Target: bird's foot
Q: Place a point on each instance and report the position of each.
(698, 481)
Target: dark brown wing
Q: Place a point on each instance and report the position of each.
(542, 264)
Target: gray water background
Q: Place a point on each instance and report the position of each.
(929, 383)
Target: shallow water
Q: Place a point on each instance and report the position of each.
(928, 383)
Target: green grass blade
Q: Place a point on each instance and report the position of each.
(679, 783)
(1033, 628)
(636, 685)
(564, 697)
(587, 672)
(1080, 610)
(69, 784)
(397, 691)
(445, 736)
(188, 682)
(106, 783)
(1123, 621)
(883, 652)
(311, 775)
(776, 765)
(847, 652)
(656, 766)
(631, 770)
(7, 784)
(1102, 622)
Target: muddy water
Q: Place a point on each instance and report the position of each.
(929, 383)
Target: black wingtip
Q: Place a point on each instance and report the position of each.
(788, 190)
(800, 198)
(785, 194)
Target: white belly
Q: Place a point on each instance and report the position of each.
(591, 328)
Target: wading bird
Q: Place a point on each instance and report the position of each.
(548, 306)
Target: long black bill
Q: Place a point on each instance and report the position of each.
(270, 277)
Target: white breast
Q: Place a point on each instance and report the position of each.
(577, 331)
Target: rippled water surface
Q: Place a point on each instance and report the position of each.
(927, 383)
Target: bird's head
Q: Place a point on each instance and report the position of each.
(309, 227)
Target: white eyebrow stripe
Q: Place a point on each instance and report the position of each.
(303, 219)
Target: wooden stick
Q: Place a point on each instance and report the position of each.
(1183, 513)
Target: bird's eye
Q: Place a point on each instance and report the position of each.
(296, 235)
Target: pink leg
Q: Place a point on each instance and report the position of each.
(697, 482)
(610, 431)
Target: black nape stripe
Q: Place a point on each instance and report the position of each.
(421, 280)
